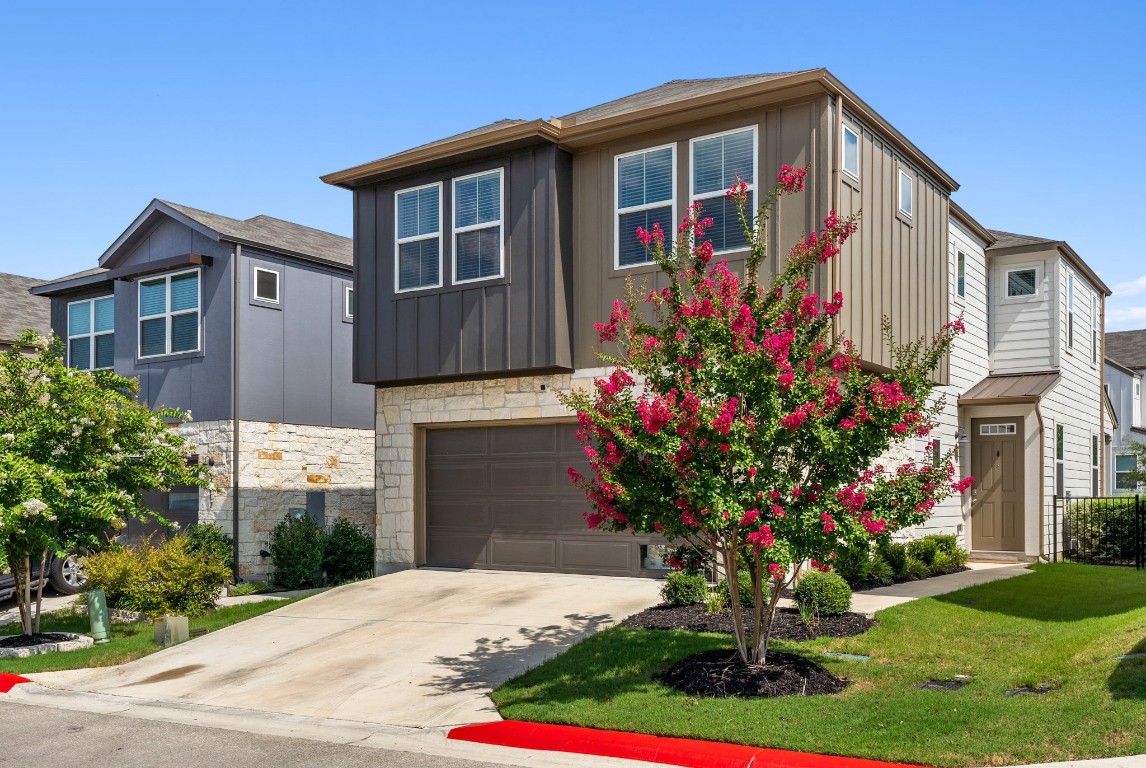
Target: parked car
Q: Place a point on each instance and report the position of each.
(65, 575)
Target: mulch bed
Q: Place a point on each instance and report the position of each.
(879, 585)
(721, 674)
(786, 626)
(25, 641)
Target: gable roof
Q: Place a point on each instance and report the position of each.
(20, 310)
(1127, 348)
(1011, 240)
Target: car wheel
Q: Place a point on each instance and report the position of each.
(66, 574)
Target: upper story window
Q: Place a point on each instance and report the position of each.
(418, 248)
(1094, 330)
(1070, 310)
(961, 274)
(347, 302)
(851, 156)
(477, 227)
(717, 162)
(644, 198)
(1022, 282)
(91, 333)
(169, 314)
(906, 193)
(266, 285)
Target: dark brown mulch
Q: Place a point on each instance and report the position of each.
(24, 641)
(786, 626)
(878, 584)
(721, 674)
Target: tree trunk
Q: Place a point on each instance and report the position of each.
(777, 587)
(40, 587)
(27, 612)
(757, 610)
(20, 599)
(730, 575)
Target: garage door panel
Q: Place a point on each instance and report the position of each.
(532, 553)
(571, 515)
(527, 439)
(531, 476)
(454, 478)
(457, 442)
(567, 442)
(523, 515)
(460, 513)
(454, 549)
(600, 556)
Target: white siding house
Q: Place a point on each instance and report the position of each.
(1125, 369)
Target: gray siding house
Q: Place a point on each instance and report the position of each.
(1125, 369)
(247, 325)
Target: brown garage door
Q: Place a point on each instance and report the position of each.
(500, 497)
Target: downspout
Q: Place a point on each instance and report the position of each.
(235, 266)
(1042, 480)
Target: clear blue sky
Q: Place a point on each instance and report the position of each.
(1037, 109)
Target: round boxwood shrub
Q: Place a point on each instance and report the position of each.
(296, 552)
(684, 588)
(823, 594)
(348, 553)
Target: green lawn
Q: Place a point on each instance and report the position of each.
(128, 641)
(1064, 625)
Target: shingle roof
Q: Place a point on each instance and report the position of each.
(275, 234)
(20, 310)
(675, 90)
(1012, 240)
(1127, 348)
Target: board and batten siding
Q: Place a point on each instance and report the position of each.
(895, 266)
(515, 323)
(796, 134)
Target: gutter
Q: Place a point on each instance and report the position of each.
(235, 267)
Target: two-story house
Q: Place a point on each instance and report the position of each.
(1125, 368)
(246, 324)
(20, 311)
(482, 261)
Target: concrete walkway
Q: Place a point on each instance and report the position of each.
(873, 600)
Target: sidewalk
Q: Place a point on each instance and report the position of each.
(873, 600)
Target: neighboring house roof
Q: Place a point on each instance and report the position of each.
(1128, 348)
(1119, 366)
(1010, 388)
(21, 310)
(675, 101)
(1010, 240)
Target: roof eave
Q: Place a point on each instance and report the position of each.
(286, 252)
(967, 220)
(68, 286)
(1125, 369)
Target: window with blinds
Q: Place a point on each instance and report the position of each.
(169, 314)
(418, 249)
(91, 333)
(717, 162)
(477, 227)
(644, 183)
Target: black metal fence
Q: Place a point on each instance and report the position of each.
(1107, 530)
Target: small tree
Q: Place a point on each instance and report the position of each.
(76, 452)
(736, 421)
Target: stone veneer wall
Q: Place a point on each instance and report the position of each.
(278, 464)
(399, 411)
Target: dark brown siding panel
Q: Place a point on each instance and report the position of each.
(494, 326)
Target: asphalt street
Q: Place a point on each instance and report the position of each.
(37, 736)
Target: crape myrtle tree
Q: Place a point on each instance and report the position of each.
(76, 452)
(737, 421)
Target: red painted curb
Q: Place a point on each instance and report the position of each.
(7, 680)
(689, 753)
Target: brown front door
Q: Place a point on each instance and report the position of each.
(997, 510)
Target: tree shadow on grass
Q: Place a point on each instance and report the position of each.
(1128, 681)
(1058, 592)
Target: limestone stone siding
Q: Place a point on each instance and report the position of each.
(278, 464)
(401, 411)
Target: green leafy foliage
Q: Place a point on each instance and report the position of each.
(244, 588)
(296, 548)
(743, 588)
(348, 553)
(212, 542)
(913, 570)
(171, 577)
(716, 600)
(1101, 530)
(894, 554)
(822, 594)
(681, 588)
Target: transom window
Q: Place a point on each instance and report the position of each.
(906, 193)
(418, 257)
(717, 162)
(169, 314)
(477, 227)
(91, 333)
(997, 429)
(850, 150)
(644, 198)
(1022, 282)
(267, 285)
(1124, 465)
(961, 275)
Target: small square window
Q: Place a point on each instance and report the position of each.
(1022, 282)
(267, 285)
(851, 160)
(906, 193)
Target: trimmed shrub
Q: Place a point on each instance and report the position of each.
(923, 550)
(112, 571)
(296, 553)
(1100, 530)
(744, 587)
(211, 541)
(880, 572)
(854, 564)
(822, 594)
(347, 553)
(914, 570)
(682, 588)
(895, 555)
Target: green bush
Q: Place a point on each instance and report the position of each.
(1100, 530)
(244, 588)
(854, 564)
(880, 572)
(716, 600)
(155, 579)
(297, 552)
(743, 586)
(347, 553)
(682, 588)
(822, 594)
(940, 564)
(895, 555)
(210, 540)
(914, 570)
(923, 550)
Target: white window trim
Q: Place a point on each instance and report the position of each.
(618, 210)
(455, 231)
(255, 284)
(1022, 268)
(1118, 488)
(1071, 320)
(1094, 331)
(843, 148)
(960, 260)
(721, 192)
(899, 193)
(400, 241)
(168, 314)
(347, 290)
(90, 335)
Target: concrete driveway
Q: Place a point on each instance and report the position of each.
(418, 648)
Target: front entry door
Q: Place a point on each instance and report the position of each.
(997, 510)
